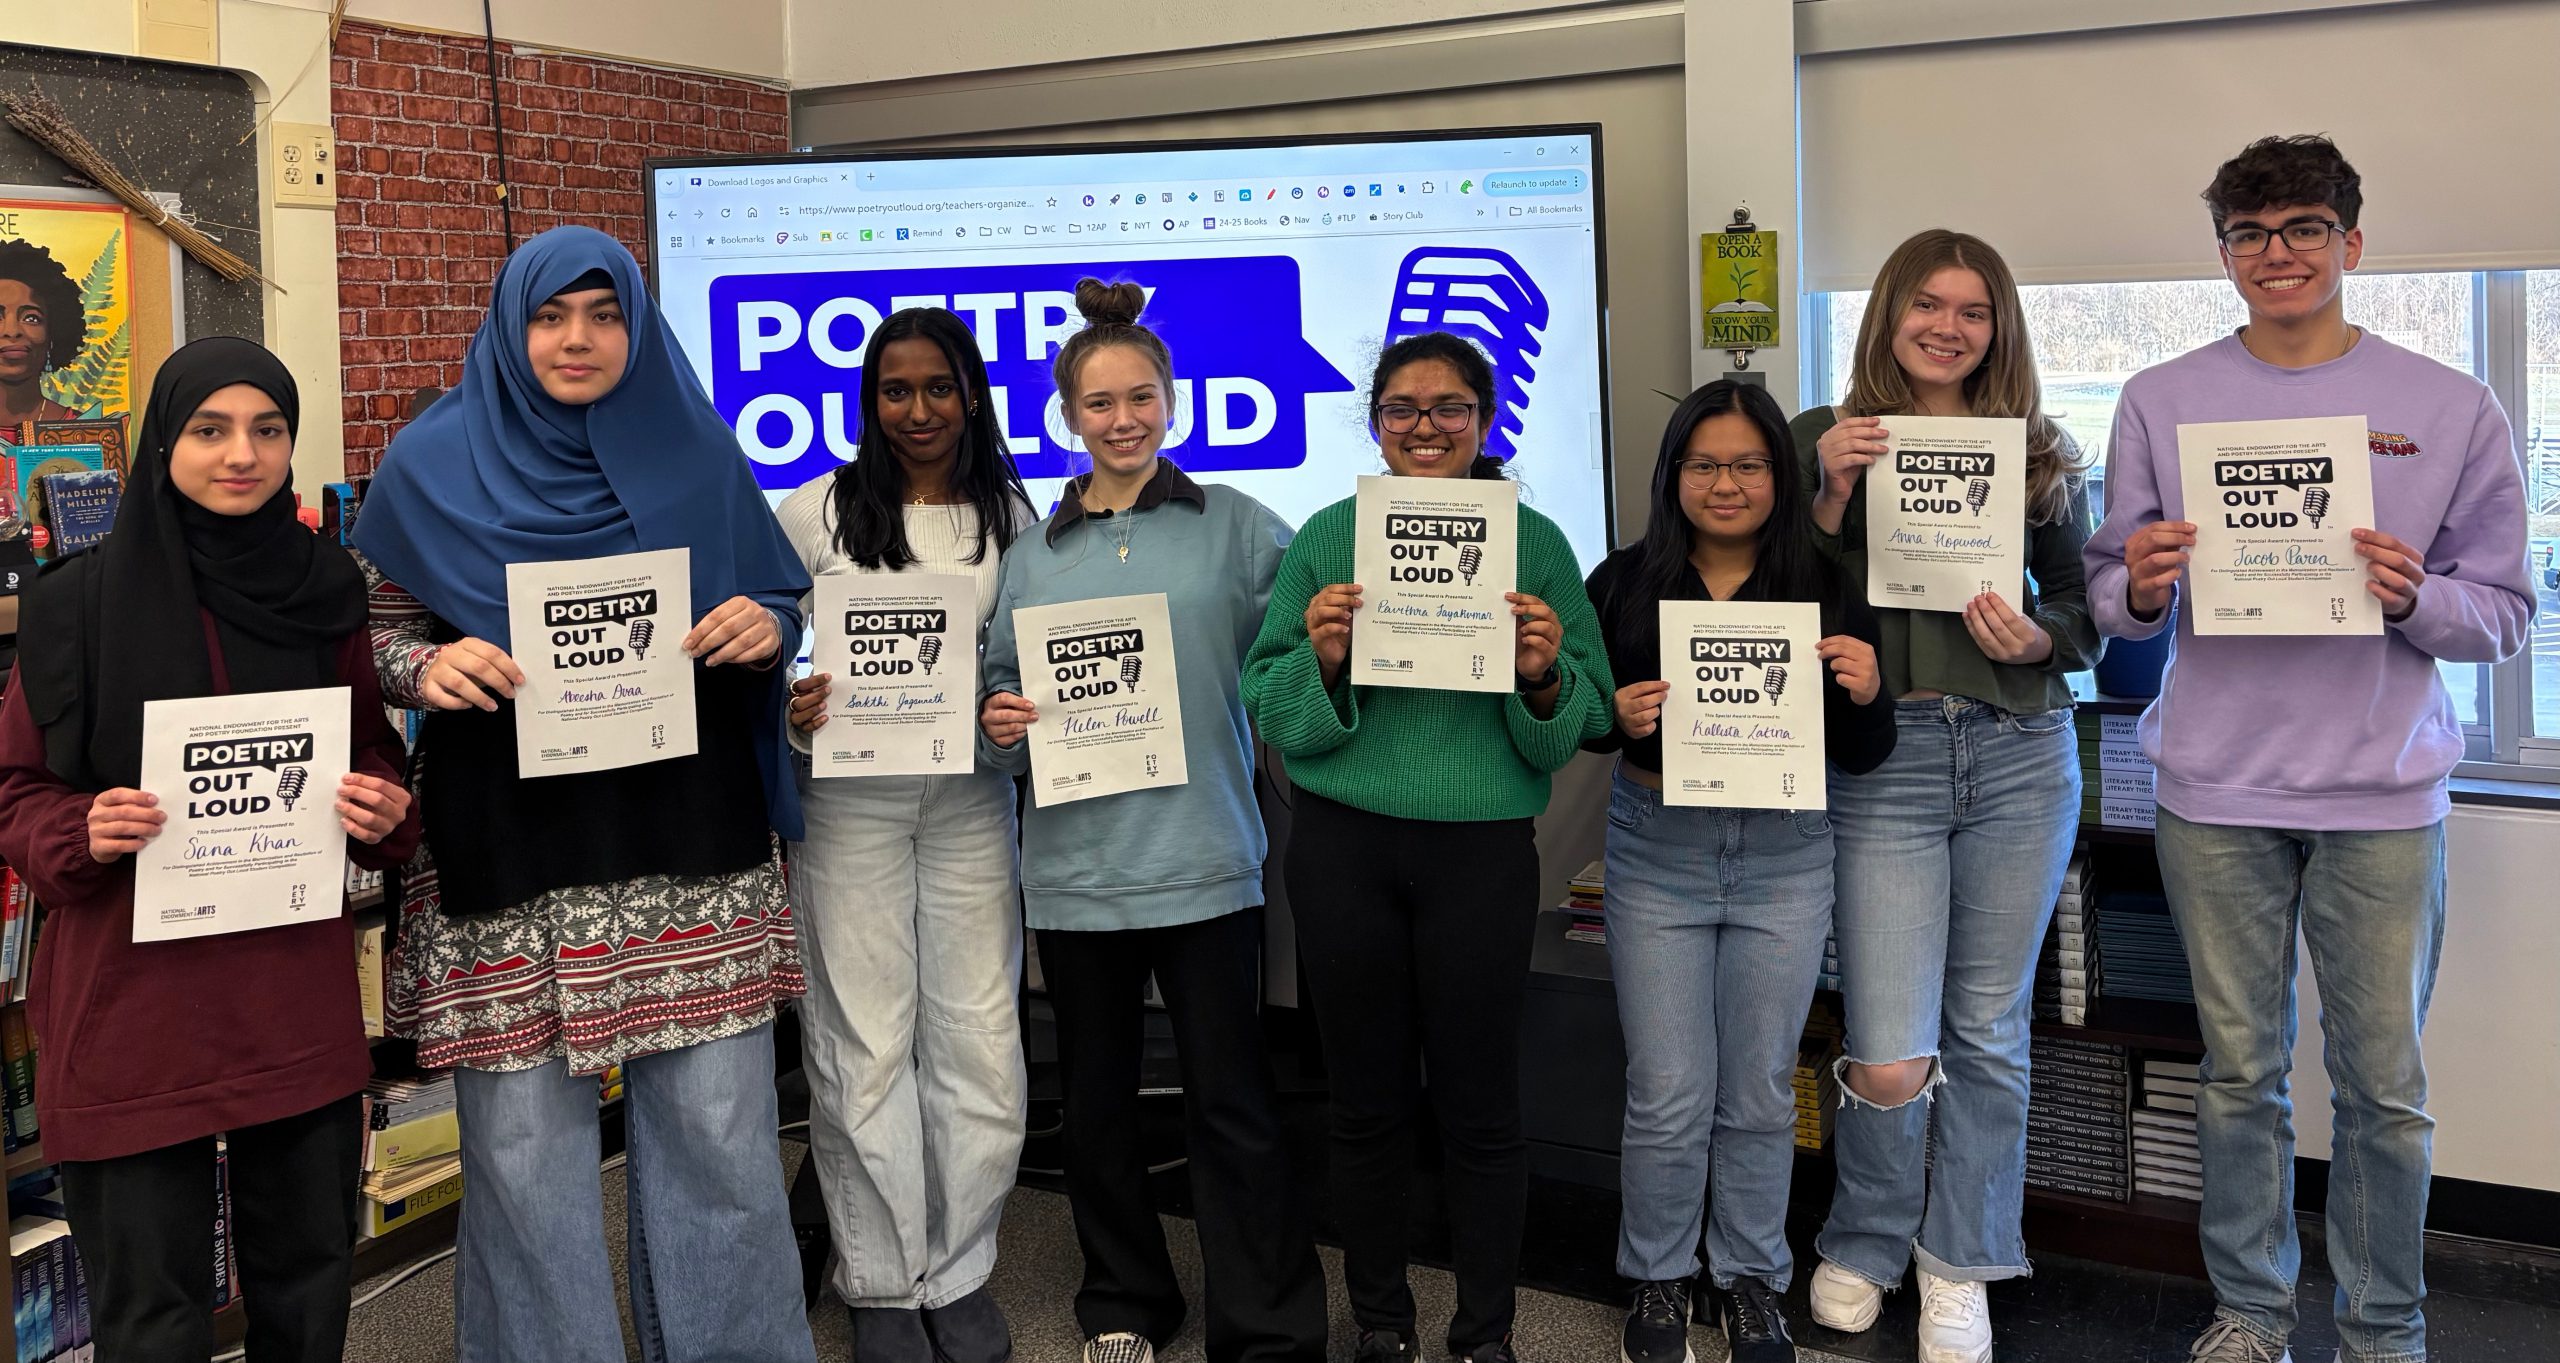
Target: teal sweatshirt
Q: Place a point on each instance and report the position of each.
(1181, 854)
(1415, 754)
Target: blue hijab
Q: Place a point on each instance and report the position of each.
(498, 471)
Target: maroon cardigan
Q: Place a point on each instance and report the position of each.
(145, 1045)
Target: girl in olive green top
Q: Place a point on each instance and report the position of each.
(1950, 854)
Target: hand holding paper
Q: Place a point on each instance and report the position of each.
(369, 807)
(121, 821)
(2397, 570)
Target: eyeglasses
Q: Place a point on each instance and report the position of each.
(1398, 418)
(2302, 234)
(1747, 473)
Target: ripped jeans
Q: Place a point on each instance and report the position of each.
(1949, 859)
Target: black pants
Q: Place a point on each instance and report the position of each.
(1264, 1286)
(1414, 937)
(144, 1225)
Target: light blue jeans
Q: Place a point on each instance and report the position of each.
(2371, 906)
(911, 931)
(1950, 856)
(715, 1277)
(1716, 923)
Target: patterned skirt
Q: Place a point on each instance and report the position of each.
(600, 974)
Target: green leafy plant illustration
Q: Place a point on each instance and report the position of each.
(95, 384)
(1740, 278)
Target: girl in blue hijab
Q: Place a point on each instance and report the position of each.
(558, 925)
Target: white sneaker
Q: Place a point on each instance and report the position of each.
(1844, 1301)
(1120, 1347)
(2228, 1341)
(1955, 1321)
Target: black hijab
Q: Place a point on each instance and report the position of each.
(104, 631)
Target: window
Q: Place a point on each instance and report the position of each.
(2538, 425)
(2090, 338)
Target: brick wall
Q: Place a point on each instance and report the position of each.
(419, 235)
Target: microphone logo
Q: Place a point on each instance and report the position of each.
(2315, 504)
(1486, 297)
(1470, 558)
(1773, 679)
(1976, 492)
(929, 652)
(1130, 666)
(641, 629)
(290, 784)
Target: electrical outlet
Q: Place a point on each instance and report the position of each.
(305, 159)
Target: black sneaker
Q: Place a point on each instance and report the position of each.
(1379, 1345)
(1498, 1351)
(1658, 1325)
(970, 1330)
(890, 1334)
(1754, 1328)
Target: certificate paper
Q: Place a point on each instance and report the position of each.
(1101, 673)
(1434, 557)
(605, 683)
(1947, 513)
(903, 651)
(1742, 727)
(2275, 506)
(250, 785)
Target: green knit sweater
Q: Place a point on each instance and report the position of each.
(1442, 755)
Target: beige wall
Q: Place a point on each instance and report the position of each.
(842, 42)
(733, 37)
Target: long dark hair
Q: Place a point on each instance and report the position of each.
(1472, 366)
(870, 493)
(1786, 568)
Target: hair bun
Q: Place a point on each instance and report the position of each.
(1110, 304)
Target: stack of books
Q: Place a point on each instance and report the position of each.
(2115, 778)
(2067, 972)
(49, 1292)
(1830, 976)
(1582, 905)
(17, 936)
(17, 1081)
(412, 1149)
(2165, 1160)
(1817, 1079)
(2145, 959)
(2078, 1137)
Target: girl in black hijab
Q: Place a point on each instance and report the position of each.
(208, 585)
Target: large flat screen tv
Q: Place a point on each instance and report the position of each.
(1276, 271)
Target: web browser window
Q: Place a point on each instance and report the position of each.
(1275, 271)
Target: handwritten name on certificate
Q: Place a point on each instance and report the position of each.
(1102, 674)
(606, 680)
(2275, 506)
(1434, 557)
(1742, 727)
(1947, 513)
(250, 785)
(903, 651)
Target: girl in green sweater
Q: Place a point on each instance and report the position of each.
(1413, 863)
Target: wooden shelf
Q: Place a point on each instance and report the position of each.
(29, 1157)
(2116, 837)
(2156, 1233)
(2144, 1024)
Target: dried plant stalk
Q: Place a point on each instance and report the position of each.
(36, 115)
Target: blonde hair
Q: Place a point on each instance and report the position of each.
(2004, 384)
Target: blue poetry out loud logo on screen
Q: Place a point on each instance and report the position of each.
(786, 357)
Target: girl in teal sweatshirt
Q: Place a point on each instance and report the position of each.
(1413, 864)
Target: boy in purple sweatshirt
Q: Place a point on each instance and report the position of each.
(2303, 779)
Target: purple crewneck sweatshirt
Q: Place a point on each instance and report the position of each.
(2312, 733)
